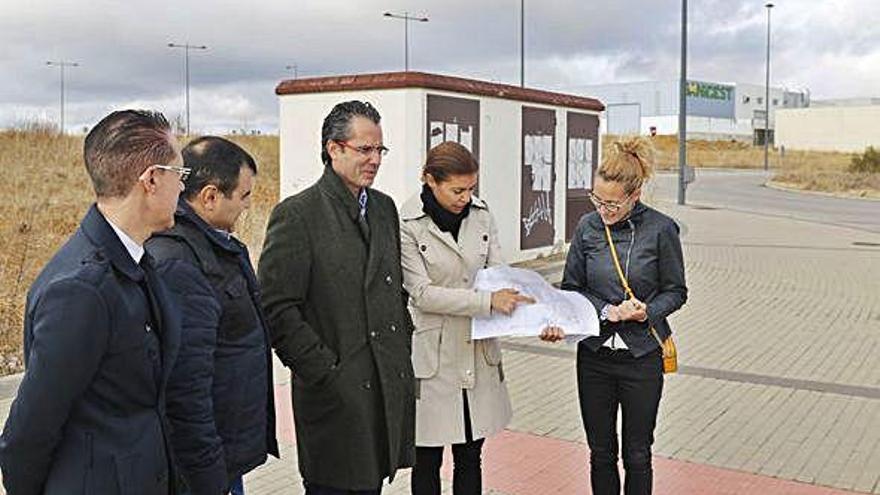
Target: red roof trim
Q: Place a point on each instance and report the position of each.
(398, 80)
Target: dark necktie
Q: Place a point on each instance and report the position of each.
(362, 216)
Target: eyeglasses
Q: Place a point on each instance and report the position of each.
(609, 206)
(183, 171)
(366, 150)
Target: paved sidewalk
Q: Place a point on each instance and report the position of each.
(779, 389)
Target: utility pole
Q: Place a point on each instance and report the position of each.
(406, 18)
(768, 5)
(522, 43)
(186, 48)
(682, 109)
(61, 64)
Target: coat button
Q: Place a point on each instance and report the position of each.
(485, 237)
(367, 385)
(148, 328)
(468, 372)
(388, 279)
(393, 327)
(374, 334)
(465, 279)
(423, 248)
(401, 374)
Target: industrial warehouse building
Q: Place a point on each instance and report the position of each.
(848, 125)
(537, 149)
(715, 110)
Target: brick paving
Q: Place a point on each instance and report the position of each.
(779, 391)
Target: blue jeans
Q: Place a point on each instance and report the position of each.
(236, 487)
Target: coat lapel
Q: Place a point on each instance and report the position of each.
(379, 239)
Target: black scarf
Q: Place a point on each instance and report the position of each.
(445, 220)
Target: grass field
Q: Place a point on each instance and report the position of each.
(48, 191)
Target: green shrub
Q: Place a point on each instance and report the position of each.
(867, 162)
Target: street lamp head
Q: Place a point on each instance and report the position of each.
(769, 5)
(170, 45)
(387, 14)
(423, 19)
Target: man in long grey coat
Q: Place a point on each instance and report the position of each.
(333, 296)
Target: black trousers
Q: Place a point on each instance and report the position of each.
(608, 380)
(312, 489)
(467, 473)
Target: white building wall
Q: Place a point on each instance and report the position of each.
(403, 125)
(848, 129)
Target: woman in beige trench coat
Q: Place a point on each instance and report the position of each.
(447, 235)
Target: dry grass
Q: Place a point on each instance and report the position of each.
(47, 192)
(805, 170)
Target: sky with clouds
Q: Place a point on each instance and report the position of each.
(829, 47)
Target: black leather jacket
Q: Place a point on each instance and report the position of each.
(650, 253)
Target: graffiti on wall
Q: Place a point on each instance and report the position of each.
(540, 211)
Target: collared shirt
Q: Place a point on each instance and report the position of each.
(362, 201)
(225, 233)
(134, 249)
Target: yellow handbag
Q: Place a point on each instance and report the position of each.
(670, 354)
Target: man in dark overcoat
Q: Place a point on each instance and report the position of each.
(101, 331)
(333, 295)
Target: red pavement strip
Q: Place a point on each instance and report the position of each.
(517, 463)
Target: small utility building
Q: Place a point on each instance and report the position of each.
(537, 149)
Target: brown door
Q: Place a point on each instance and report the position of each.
(454, 119)
(583, 150)
(538, 177)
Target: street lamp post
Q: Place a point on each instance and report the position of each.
(682, 109)
(768, 5)
(522, 43)
(406, 18)
(186, 48)
(61, 64)
(293, 68)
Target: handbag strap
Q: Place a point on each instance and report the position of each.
(623, 280)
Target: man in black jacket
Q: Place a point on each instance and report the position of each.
(220, 395)
(100, 331)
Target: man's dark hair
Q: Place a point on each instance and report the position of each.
(337, 124)
(214, 161)
(122, 145)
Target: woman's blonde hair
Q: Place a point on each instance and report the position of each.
(629, 161)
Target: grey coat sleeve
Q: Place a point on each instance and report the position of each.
(671, 288)
(71, 331)
(284, 273)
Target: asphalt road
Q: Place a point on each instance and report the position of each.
(742, 190)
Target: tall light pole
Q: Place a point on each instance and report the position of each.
(293, 68)
(682, 109)
(61, 64)
(186, 48)
(406, 18)
(769, 6)
(522, 43)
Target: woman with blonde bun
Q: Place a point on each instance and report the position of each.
(622, 368)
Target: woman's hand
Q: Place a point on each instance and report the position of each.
(505, 301)
(552, 334)
(630, 310)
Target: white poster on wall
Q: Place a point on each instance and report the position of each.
(580, 163)
(451, 132)
(465, 137)
(539, 155)
(436, 133)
